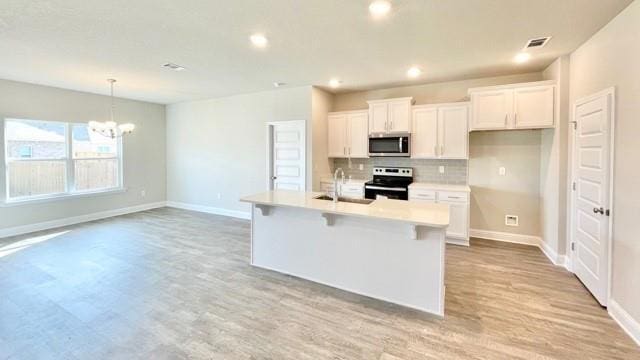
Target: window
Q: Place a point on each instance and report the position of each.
(46, 159)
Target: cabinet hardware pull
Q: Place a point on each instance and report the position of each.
(441, 150)
(506, 119)
(435, 150)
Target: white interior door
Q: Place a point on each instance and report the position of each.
(288, 156)
(590, 211)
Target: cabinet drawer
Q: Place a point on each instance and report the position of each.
(420, 194)
(453, 196)
(352, 188)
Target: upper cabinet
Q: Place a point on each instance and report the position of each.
(516, 106)
(348, 134)
(390, 116)
(440, 131)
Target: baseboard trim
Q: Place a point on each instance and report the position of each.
(626, 322)
(459, 242)
(210, 210)
(26, 229)
(506, 237)
(531, 240)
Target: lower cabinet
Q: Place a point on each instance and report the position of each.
(348, 190)
(458, 230)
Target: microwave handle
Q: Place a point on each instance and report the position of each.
(400, 142)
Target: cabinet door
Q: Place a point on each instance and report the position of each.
(453, 132)
(337, 135)
(491, 109)
(358, 133)
(378, 117)
(458, 219)
(400, 116)
(424, 139)
(534, 107)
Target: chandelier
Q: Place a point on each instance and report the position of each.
(111, 128)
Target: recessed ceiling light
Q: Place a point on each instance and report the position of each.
(172, 66)
(522, 57)
(335, 83)
(259, 40)
(414, 72)
(379, 8)
(279, 84)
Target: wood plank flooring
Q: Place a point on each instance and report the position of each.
(174, 284)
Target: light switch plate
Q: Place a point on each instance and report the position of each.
(502, 171)
(441, 169)
(361, 166)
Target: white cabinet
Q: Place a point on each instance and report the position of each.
(458, 219)
(440, 131)
(459, 207)
(353, 190)
(348, 134)
(491, 109)
(516, 106)
(533, 107)
(390, 116)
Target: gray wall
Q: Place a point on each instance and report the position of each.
(612, 58)
(492, 197)
(144, 160)
(218, 146)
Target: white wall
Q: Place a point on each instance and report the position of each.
(553, 163)
(612, 58)
(218, 146)
(321, 104)
(144, 161)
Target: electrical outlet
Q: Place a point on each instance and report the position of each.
(511, 220)
(143, 193)
(502, 171)
(361, 167)
(441, 169)
(219, 196)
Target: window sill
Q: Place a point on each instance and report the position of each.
(46, 199)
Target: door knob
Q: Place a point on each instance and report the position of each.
(600, 210)
(274, 177)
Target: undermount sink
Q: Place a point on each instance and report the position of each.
(344, 199)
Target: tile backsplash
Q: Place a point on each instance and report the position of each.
(424, 170)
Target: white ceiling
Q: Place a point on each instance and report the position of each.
(77, 44)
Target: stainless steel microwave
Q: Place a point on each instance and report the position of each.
(390, 145)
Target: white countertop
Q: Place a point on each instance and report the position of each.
(440, 187)
(415, 213)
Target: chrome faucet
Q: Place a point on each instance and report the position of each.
(335, 183)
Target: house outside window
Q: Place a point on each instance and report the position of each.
(49, 159)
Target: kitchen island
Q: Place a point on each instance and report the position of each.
(392, 250)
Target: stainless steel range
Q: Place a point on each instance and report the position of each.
(391, 183)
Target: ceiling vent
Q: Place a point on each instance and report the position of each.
(537, 42)
(172, 66)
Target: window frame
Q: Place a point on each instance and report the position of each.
(70, 185)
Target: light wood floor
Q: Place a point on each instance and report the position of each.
(173, 284)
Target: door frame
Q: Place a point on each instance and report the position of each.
(610, 94)
(270, 125)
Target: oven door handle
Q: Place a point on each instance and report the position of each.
(384, 188)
